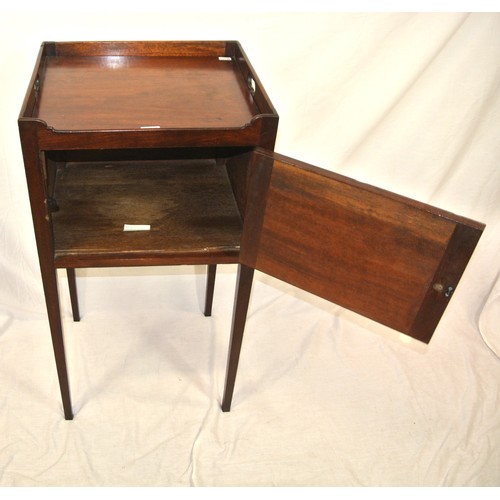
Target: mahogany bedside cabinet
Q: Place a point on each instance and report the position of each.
(183, 133)
(127, 147)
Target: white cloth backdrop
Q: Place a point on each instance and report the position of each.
(407, 102)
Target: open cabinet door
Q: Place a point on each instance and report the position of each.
(384, 256)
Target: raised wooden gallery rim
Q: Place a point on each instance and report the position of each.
(144, 86)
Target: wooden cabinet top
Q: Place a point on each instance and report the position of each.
(148, 86)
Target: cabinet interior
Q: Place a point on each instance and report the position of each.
(192, 199)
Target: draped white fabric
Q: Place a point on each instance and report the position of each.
(408, 102)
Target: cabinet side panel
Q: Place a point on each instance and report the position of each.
(360, 248)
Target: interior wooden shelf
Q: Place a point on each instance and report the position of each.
(189, 205)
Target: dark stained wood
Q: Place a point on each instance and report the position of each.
(107, 91)
(209, 295)
(238, 170)
(384, 256)
(188, 204)
(445, 280)
(270, 124)
(140, 48)
(127, 93)
(371, 251)
(242, 298)
(89, 104)
(35, 168)
(243, 118)
(168, 134)
(73, 293)
(256, 133)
